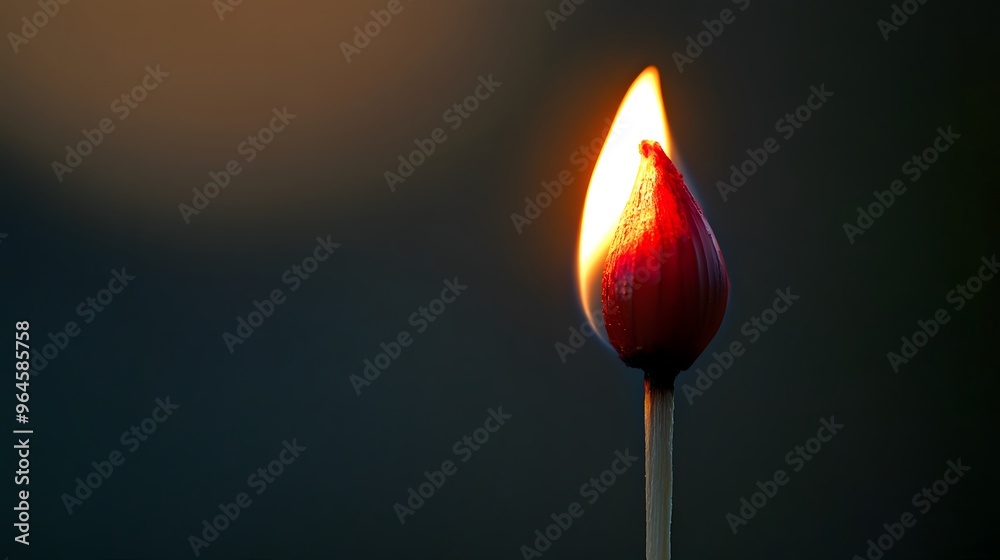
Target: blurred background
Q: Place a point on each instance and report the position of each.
(563, 69)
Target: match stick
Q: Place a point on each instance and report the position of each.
(659, 423)
(661, 325)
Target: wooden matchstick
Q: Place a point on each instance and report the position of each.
(659, 423)
(662, 325)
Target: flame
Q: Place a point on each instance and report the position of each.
(641, 116)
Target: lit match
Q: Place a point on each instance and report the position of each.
(648, 253)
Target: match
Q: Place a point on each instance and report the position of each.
(661, 325)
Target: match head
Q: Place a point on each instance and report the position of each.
(665, 285)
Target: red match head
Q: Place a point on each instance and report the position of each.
(665, 285)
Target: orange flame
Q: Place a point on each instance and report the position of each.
(641, 116)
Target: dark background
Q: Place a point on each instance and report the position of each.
(495, 345)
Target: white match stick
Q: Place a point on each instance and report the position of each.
(659, 421)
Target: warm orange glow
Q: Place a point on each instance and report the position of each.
(640, 117)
